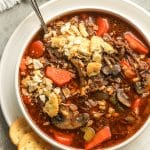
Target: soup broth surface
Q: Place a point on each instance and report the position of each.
(86, 83)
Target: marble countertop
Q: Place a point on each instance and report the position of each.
(9, 20)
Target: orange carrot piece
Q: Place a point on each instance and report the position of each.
(66, 139)
(36, 49)
(135, 43)
(136, 105)
(127, 69)
(101, 136)
(59, 76)
(103, 26)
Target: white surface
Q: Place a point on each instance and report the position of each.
(27, 29)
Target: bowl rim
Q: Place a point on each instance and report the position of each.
(24, 110)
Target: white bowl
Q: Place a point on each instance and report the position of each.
(56, 8)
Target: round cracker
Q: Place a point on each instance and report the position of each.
(18, 129)
(32, 141)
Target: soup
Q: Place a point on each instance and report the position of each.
(86, 83)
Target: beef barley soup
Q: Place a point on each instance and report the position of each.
(86, 83)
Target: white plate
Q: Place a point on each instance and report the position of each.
(26, 29)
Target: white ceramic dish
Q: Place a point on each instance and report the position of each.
(28, 28)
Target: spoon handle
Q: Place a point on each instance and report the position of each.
(38, 13)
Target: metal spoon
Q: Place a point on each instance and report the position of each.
(38, 13)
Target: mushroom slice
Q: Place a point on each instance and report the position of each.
(115, 70)
(66, 119)
(123, 98)
(99, 95)
(78, 65)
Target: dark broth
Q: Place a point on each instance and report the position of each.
(120, 130)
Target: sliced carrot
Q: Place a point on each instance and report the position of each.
(23, 67)
(127, 69)
(135, 43)
(101, 136)
(66, 139)
(103, 26)
(59, 76)
(136, 105)
(36, 49)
